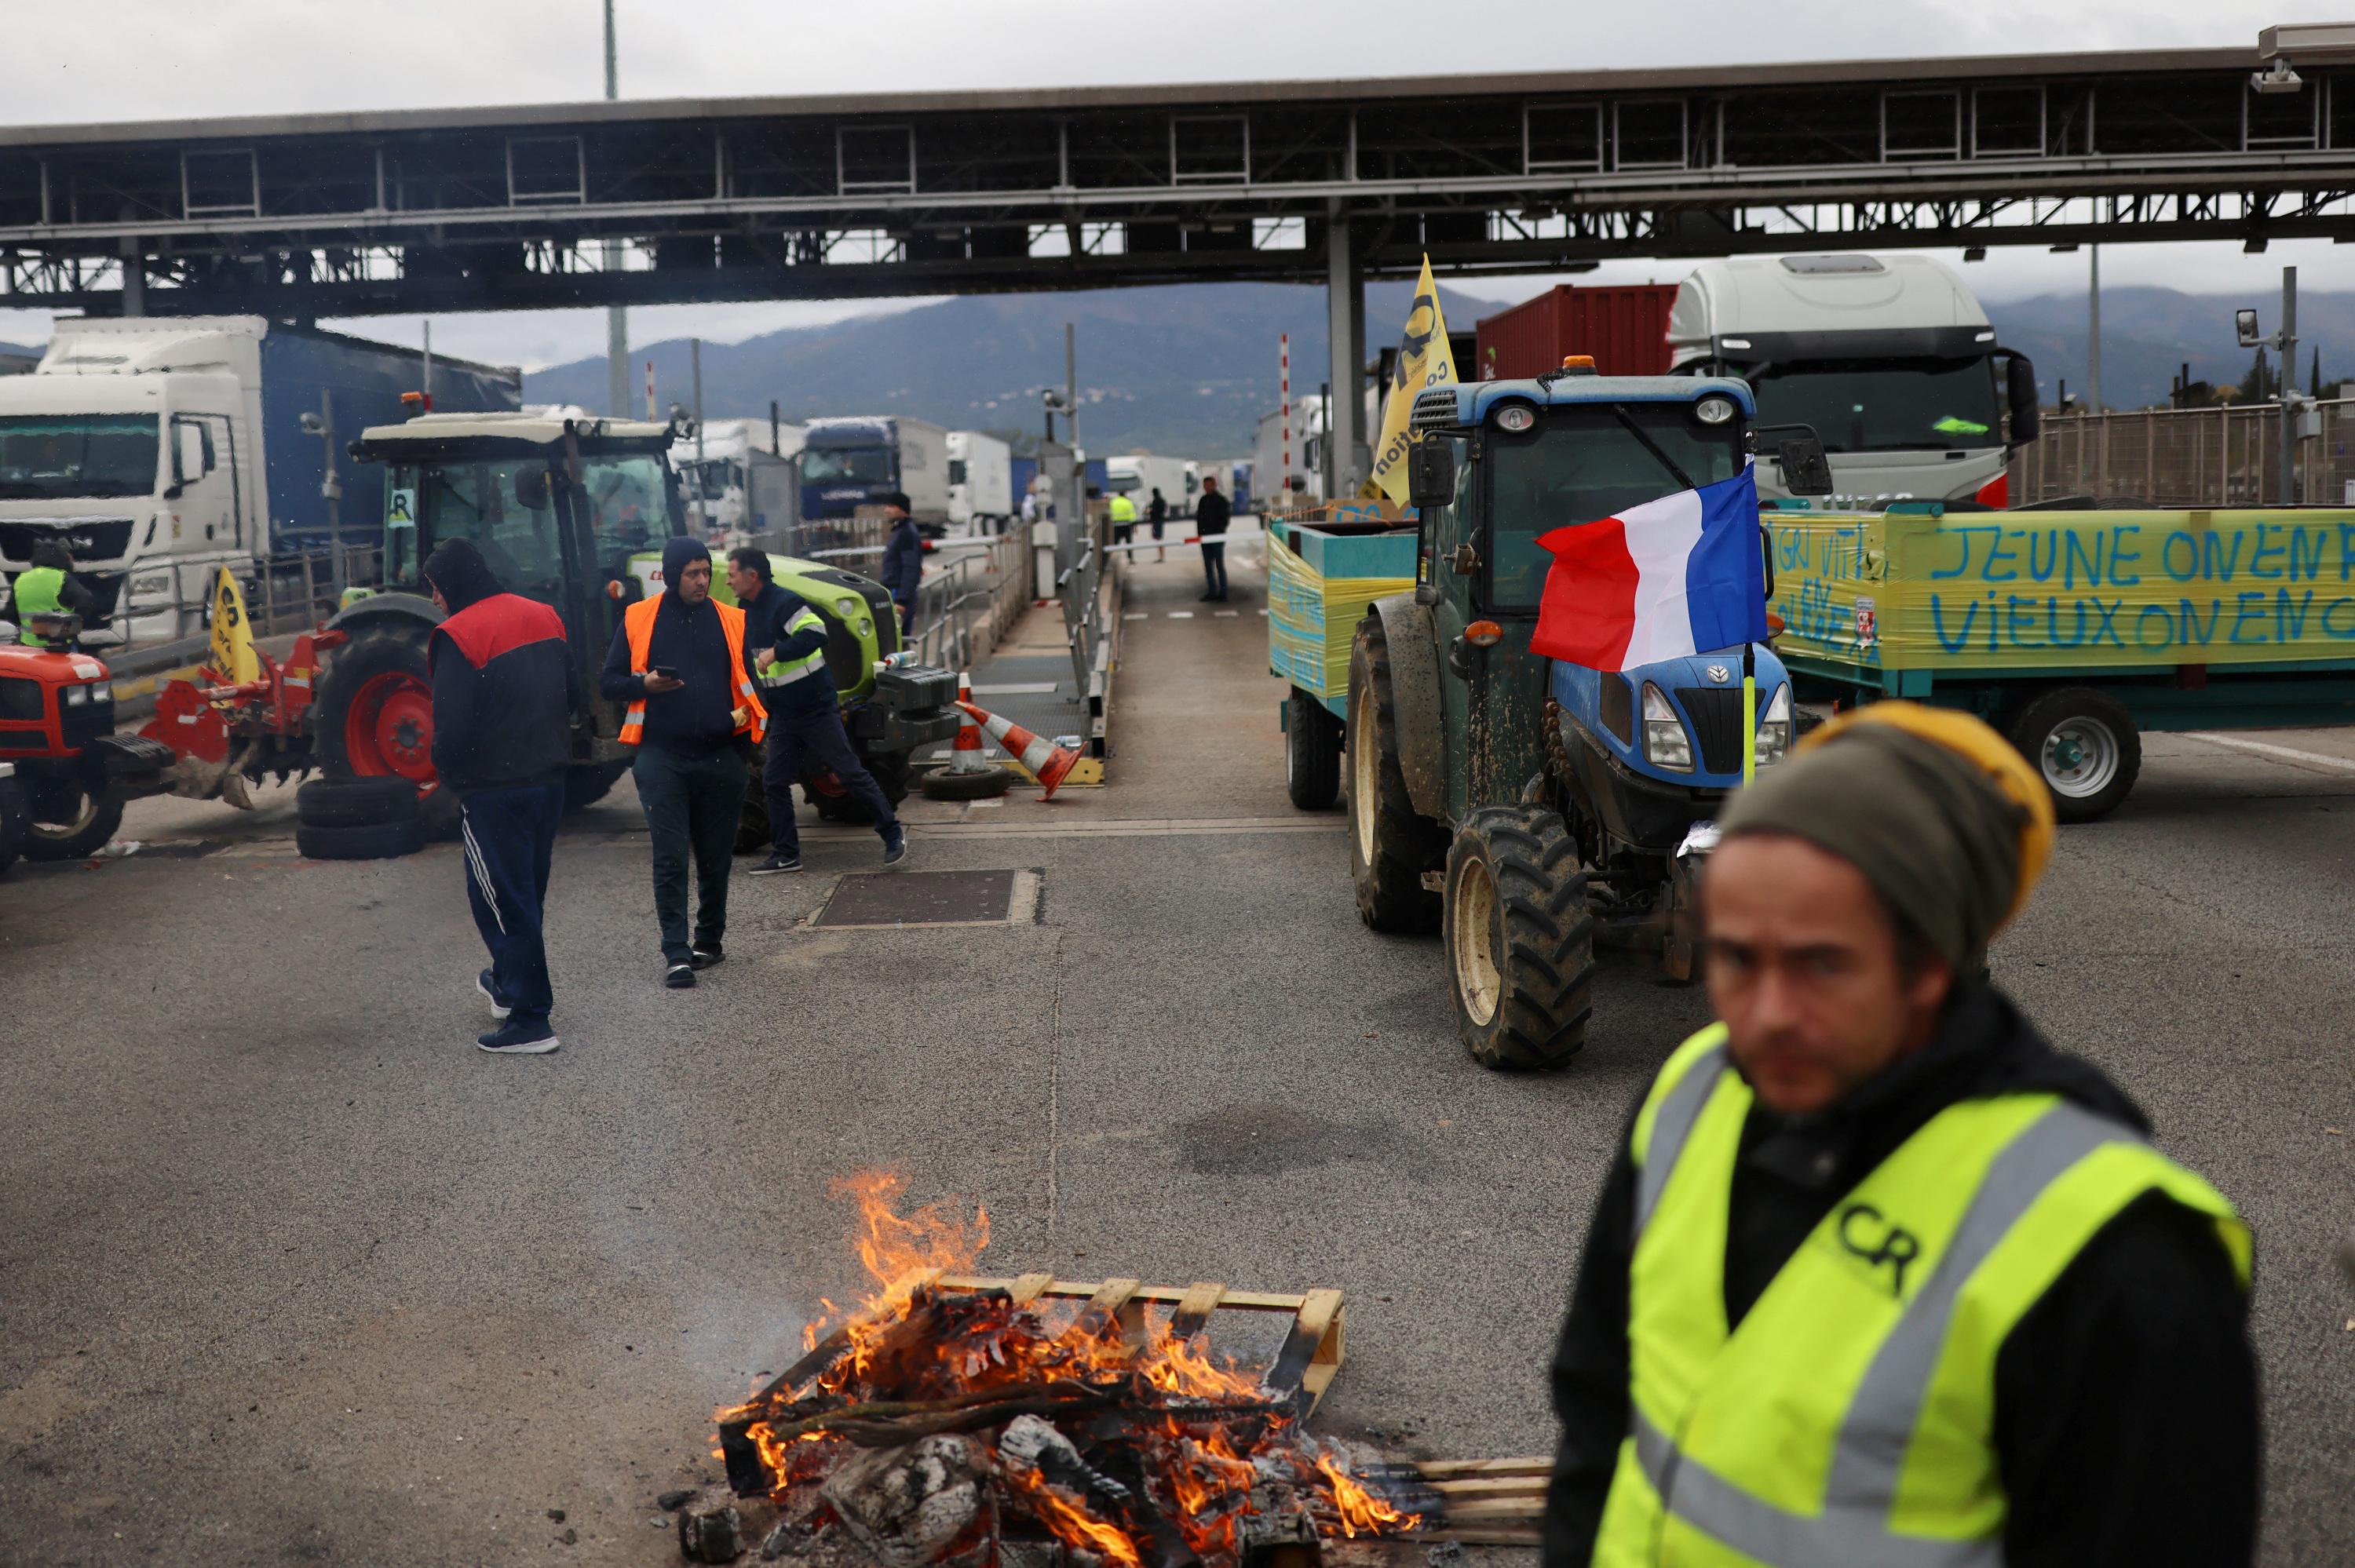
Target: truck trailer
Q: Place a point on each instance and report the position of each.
(159, 450)
(848, 463)
(1139, 475)
(741, 481)
(981, 483)
(1624, 329)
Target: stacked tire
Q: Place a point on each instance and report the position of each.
(358, 819)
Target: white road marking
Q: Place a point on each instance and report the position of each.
(1029, 688)
(1226, 614)
(1181, 615)
(1134, 615)
(1263, 612)
(2267, 749)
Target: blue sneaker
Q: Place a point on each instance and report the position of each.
(895, 848)
(517, 1038)
(491, 994)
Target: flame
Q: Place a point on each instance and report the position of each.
(1074, 1525)
(1360, 1510)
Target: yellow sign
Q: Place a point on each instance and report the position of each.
(231, 660)
(1424, 361)
(2065, 590)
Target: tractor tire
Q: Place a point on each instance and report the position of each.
(380, 840)
(1390, 844)
(16, 823)
(94, 822)
(373, 719)
(2085, 744)
(586, 783)
(1518, 940)
(989, 782)
(753, 817)
(1312, 753)
(890, 770)
(355, 803)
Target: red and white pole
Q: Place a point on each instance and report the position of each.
(650, 391)
(1284, 349)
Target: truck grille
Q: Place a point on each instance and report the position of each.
(99, 540)
(1715, 714)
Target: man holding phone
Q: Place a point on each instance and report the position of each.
(678, 663)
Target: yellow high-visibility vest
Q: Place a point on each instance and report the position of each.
(1849, 1417)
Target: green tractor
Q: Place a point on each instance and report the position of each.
(573, 512)
(1528, 809)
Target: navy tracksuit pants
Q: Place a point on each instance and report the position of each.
(510, 836)
(809, 729)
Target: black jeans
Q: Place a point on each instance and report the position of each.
(804, 730)
(509, 837)
(1214, 565)
(692, 804)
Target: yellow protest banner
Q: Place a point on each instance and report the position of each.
(231, 659)
(1424, 360)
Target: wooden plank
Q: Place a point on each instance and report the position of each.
(1490, 1536)
(1081, 1290)
(1102, 1311)
(1503, 1487)
(1194, 1309)
(1318, 1319)
(1495, 1509)
(1442, 1469)
(1026, 1289)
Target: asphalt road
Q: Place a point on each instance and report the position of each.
(290, 1273)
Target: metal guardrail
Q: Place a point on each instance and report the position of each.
(968, 602)
(2224, 456)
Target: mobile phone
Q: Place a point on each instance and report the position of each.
(667, 671)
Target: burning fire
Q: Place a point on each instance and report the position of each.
(1133, 1447)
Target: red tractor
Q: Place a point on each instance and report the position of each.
(68, 772)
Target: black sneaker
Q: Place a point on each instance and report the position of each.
(679, 976)
(776, 863)
(895, 848)
(491, 994)
(517, 1038)
(707, 957)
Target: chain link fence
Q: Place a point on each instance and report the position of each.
(2190, 457)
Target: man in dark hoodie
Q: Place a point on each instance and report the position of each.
(505, 691)
(678, 661)
(1877, 1276)
(902, 571)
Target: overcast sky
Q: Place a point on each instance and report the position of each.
(70, 63)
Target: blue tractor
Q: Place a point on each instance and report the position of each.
(1533, 811)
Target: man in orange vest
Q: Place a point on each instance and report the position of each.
(678, 663)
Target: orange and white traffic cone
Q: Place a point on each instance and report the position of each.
(964, 756)
(1049, 763)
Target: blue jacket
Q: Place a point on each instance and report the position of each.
(903, 564)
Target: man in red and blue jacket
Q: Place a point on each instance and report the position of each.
(505, 691)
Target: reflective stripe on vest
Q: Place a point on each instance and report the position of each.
(784, 673)
(638, 627)
(1849, 1417)
(38, 592)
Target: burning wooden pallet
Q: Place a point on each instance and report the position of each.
(1479, 1502)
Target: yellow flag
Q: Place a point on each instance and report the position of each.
(231, 660)
(1423, 361)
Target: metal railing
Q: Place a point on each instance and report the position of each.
(2225, 456)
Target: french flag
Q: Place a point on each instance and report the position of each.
(1675, 577)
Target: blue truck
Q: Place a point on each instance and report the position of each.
(159, 450)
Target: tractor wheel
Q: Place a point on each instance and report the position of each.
(1519, 941)
(355, 803)
(378, 841)
(373, 719)
(890, 770)
(81, 833)
(1312, 753)
(985, 783)
(1390, 844)
(15, 824)
(2085, 744)
(752, 836)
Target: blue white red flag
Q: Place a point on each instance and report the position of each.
(1679, 576)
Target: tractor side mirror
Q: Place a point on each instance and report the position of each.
(2019, 393)
(1430, 472)
(2245, 323)
(1805, 470)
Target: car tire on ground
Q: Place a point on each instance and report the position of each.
(2085, 744)
(378, 841)
(94, 821)
(355, 803)
(1390, 844)
(986, 783)
(1312, 753)
(1518, 940)
(374, 718)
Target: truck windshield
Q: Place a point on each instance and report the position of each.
(505, 508)
(1579, 464)
(1121, 483)
(847, 465)
(1885, 405)
(52, 456)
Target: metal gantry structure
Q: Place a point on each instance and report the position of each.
(1334, 181)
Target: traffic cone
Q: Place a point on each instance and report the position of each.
(964, 756)
(1048, 763)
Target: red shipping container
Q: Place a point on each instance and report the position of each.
(1623, 326)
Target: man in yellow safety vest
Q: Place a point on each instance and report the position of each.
(1878, 1276)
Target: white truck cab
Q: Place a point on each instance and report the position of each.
(1890, 359)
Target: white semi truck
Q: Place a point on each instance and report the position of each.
(741, 481)
(159, 450)
(1307, 466)
(1138, 476)
(1890, 359)
(981, 484)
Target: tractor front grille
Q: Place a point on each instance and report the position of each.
(1715, 714)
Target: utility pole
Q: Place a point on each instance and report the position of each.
(427, 388)
(2093, 330)
(2289, 387)
(617, 318)
(1071, 397)
(331, 485)
(695, 371)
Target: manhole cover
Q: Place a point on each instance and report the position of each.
(932, 898)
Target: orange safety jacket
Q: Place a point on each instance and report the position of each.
(638, 625)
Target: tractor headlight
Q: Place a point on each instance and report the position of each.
(1775, 728)
(74, 697)
(1665, 744)
(1713, 411)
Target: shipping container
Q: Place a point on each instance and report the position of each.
(1623, 326)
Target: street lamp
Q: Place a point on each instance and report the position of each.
(2284, 343)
